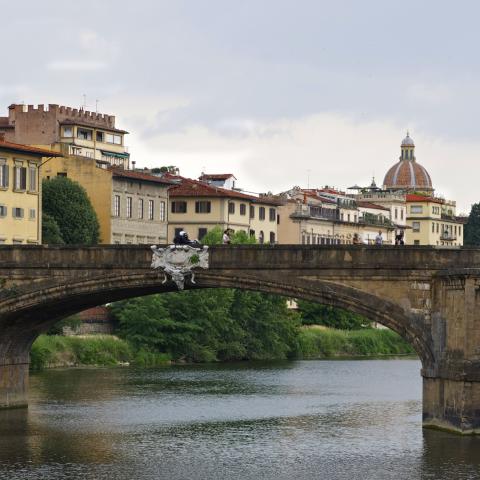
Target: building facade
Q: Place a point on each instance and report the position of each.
(197, 207)
(71, 131)
(310, 217)
(20, 193)
(139, 208)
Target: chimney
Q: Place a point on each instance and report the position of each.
(133, 165)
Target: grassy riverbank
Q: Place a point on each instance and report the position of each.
(50, 351)
(318, 342)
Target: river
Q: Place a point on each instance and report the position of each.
(283, 420)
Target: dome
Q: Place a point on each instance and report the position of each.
(408, 141)
(407, 174)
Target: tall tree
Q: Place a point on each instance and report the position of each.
(472, 228)
(68, 204)
(51, 234)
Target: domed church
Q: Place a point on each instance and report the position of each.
(408, 175)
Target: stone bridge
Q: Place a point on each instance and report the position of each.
(430, 296)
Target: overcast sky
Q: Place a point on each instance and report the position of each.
(280, 93)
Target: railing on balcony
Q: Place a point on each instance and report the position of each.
(305, 211)
(448, 236)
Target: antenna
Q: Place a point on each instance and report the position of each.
(308, 179)
(96, 105)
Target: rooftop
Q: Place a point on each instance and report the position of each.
(17, 147)
(130, 174)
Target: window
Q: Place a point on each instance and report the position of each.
(20, 178)
(272, 215)
(179, 207)
(3, 211)
(162, 211)
(261, 237)
(32, 178)
(396, 213)
(17, 212)
(129, 207)
(231, 208)
(84, 134)
(417, 242)
(100, 137)
(150, 210)
(459, 230)
(61, 174)
(438, 225)
(32, 214)
(252, 211)
(140, 208)
(355, 218)
(68, 132)
(348, 217)
(116, 206)
(261, 213)
(252, 233)
(272, 237)
(243, 209)
(416, 209)
(401, 214)
(416, 226)
(203, 206)
(201, 233)
(3, 174)
(112, 138)
(433, 227)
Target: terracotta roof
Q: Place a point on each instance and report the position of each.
(413, 197)
(371, 205)
(195, 188)
(407, 174)
(4, 123)
(17, 147)
(121, 173)
(216, 176)
(91, 125)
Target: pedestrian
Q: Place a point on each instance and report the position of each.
(356, 239)
(226, 237)
(379, 239)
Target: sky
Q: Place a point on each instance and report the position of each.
(277, 92)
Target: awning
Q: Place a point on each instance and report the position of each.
(115, 154)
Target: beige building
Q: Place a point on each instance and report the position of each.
(139, 204)
(310, 217)
(197, 207)
(20, 192)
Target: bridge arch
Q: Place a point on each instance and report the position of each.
(35, 310)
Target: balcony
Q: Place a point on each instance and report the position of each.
(448, 237)
(309, 211)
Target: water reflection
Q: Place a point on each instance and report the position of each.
(334, 420)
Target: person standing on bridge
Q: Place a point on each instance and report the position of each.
(379, 239)
(226, 237)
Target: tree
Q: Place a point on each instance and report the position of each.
(316, 314)
(51, 234)
(472, 227)
(68, 204)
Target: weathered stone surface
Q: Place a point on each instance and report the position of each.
(430, 296)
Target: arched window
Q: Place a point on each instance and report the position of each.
(272, 237)
(261, 237)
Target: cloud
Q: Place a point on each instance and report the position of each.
(324, 149)
(77, 65)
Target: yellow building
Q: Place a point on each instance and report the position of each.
(433, 222)
(20, 192)
(197, 207)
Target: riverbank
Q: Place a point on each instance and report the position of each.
(317, 342)
(52, 351)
